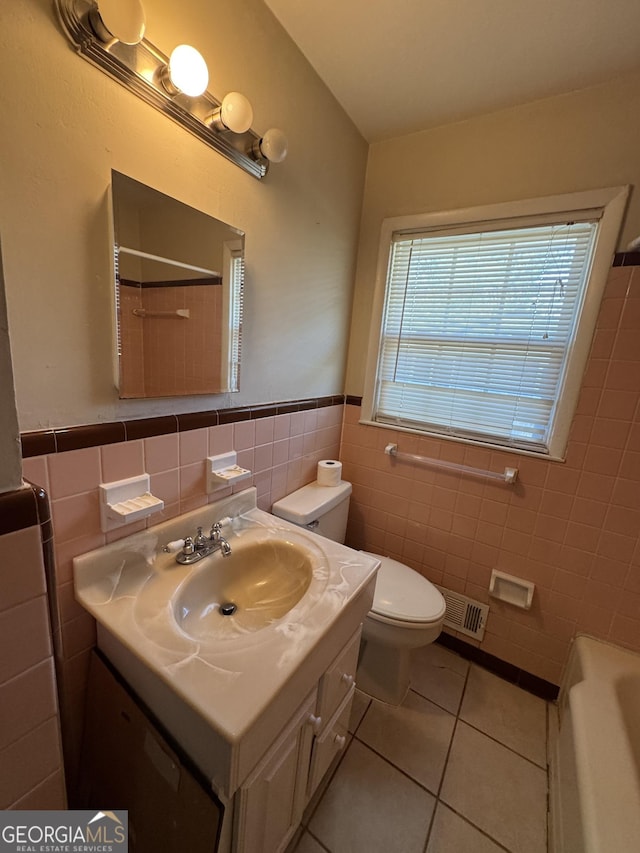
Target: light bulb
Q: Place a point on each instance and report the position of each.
(274, 146)
(188, 71)
(122, 20)
(236, 113)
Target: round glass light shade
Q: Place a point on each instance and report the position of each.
(123, 20)
(274, 146)
(236, 113)
(188, 71)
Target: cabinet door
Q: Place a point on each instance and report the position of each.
(331, 742)
(271, 801)
(127, 762)
(338, 680)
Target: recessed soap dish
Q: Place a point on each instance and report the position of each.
(125, 501)
(223, 470)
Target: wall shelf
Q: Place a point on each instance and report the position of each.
(126, 501)
(223, 470)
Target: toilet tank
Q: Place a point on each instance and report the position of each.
(322, 509)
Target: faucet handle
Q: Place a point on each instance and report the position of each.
(173, 547)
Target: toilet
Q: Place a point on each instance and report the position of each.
(407, 612)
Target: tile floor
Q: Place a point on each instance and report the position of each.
(460, 767)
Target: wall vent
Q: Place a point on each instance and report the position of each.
(464, 614)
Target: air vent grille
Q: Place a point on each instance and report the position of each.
(464, 614)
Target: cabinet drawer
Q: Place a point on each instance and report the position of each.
(338, 680)
(332, 741)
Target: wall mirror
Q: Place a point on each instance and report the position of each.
(179, 281)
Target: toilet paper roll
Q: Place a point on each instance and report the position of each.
(329, 472)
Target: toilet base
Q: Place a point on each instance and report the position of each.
(383, 671)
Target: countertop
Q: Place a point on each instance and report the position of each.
(230, 679)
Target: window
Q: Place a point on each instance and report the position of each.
(487, 316)
(237, 297)
(233, 301)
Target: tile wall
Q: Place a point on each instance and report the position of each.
(31, 774)
(571, 528)
(282, 451)
(148, 365)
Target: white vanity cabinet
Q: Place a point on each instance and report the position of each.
(260, 713)
(268, 806)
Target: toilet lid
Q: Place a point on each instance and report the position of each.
(404, 595)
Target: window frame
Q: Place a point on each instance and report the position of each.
(232, 313)
(609, 204)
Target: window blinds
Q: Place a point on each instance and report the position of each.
(235, 314)
(477, 330)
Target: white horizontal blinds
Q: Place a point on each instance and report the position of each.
(236, 308)
(477, 329)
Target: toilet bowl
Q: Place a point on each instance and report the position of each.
(407, 611)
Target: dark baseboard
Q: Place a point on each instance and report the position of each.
(538, 686)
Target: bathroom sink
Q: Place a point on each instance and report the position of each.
(257, 584)
(222, 685)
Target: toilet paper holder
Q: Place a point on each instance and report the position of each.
(511, 589)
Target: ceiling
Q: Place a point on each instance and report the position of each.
(399, 66)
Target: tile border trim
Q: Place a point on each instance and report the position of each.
(626, 259)
(30, 507)
(42, 442)
(18, 510)
(532, 683)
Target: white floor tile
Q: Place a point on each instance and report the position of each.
(370, 807)
(439, 675)
(500, 792)
(452, 834)
(507, 713)
(414, 736)
(308, 844)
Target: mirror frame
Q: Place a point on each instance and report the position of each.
(232, 266)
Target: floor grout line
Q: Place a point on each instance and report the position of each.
(395, 767)
(446, 761)
(436, 796)
(475, 826)
(506, 746)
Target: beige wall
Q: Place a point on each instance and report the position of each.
(584, 140)
(66, 125)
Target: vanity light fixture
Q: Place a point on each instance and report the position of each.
(110, 35)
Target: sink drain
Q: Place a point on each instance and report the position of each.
(228, 609)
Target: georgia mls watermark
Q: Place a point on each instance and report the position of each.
(64, 832)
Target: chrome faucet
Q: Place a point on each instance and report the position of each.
(199, 546)
(217, 541)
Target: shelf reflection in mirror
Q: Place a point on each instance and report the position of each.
(179, 282)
